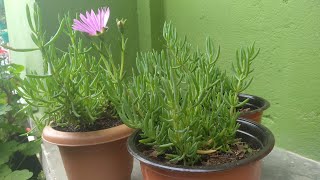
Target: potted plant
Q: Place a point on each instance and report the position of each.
(18, 155)
(254, 107)
(186, 110)
(74, 94)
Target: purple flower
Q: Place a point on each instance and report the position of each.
(93, 24)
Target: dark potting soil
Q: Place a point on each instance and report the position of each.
(247, 107)
(238, 151)
(105, 123)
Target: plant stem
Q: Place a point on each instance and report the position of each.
(24, 158)
(122, 55)
(210, 151)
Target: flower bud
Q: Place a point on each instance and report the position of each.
(28, 129)
(120, 24)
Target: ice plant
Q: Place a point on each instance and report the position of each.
(91, 23)
(78, 83)
(183, 103)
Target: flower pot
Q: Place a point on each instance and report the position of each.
(30, 163)
(97, 155)
(255, 107)
(246, 169)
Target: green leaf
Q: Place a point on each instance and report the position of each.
(4, 170)
(11, 128)
(29, 18)
(15, 68)
(31, 148)
(35, 39)
(19, 175)
(3, 98)
(7, 149)
(59, 31)
(20, 50)
(38, 76)
(4, 109)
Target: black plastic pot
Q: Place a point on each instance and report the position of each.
(252, 133)
(30, 163)
(256, 105)
(20, 161)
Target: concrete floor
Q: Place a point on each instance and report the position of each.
(278, 165)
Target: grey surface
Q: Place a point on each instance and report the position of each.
(52, 162)
(284, 165)
(278, 165)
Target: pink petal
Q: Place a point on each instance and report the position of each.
(86, 21)
(89, 21)
(78, 25)
(106, 17)
(92, 22)
(99, 18)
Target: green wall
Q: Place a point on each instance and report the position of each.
(19, 34)
(287, 71)
(19, 30)
(150, 19)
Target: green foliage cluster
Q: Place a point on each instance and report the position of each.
(8, 169)
(12, 121)
(183, 103)
(74, 89)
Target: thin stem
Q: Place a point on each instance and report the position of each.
(20, 163)
(122, 55)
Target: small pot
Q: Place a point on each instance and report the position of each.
(97, 155)
(249, 168)
(256, 106)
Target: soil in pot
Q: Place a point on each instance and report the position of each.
(239, 150)
(254, 108)
(247, 167)
(108, 121)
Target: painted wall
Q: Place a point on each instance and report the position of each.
(19, 34)
(287, 71)
(150, 19)
(19, 30)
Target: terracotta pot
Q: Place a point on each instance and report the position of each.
(246, 169)
(256, 105)
(96, 155)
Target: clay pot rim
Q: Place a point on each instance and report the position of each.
(76, 139)
(268, 146)
(266, 104)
